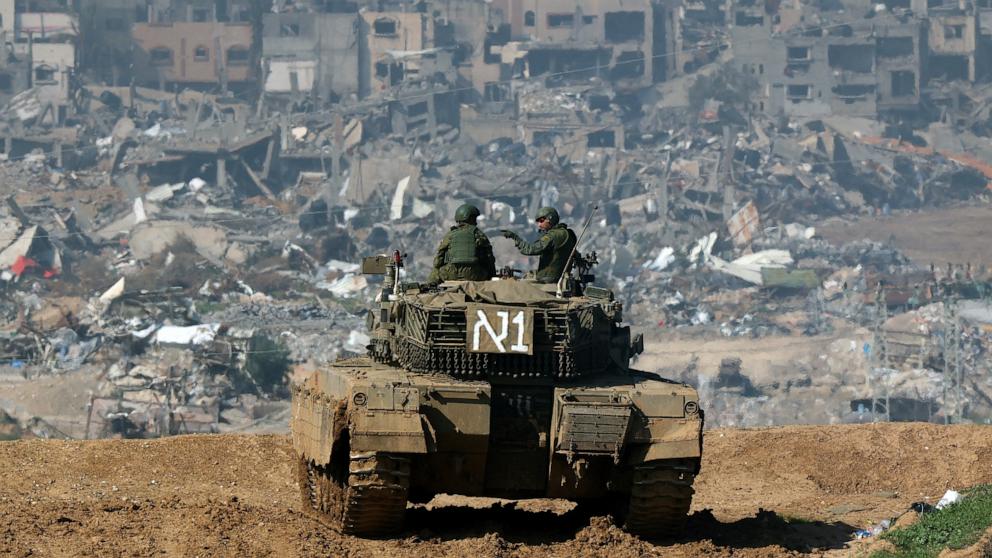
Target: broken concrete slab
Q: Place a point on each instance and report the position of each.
(154, 237)
(186, 336)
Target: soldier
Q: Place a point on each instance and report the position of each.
(554, 245)
(465, 253)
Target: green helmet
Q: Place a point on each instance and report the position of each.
(467, 213)
(549, 213)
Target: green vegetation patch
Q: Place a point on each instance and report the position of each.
(957, 526)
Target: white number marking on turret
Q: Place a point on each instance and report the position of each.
(489, 329)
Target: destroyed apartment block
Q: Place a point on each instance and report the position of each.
(900, 65)
(108, 51)
(854, 70)
(403, 48)
(630, 43)
(572, 120)
(193, 53)
(953, 42)
(38, 59)
(828, 65)
(312, 59)
(308, 55)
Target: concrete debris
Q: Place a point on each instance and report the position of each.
(186, 336)
(114, 292)
(228, 195)
(751, 267)
(346, 286)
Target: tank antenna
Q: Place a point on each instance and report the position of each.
(568, 263)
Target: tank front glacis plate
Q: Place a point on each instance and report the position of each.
(638, 418)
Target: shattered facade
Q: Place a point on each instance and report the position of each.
(834, 65)
(401, 47)
(193, 52)
(307, 54)
(632, 44)
(953, 40)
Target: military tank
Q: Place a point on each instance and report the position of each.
(505, 388)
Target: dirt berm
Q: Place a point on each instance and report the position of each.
(779, 491)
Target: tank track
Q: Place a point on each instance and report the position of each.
(659, 499)
(368, 500)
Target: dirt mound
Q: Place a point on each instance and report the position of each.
(910, 458)
(781, 491)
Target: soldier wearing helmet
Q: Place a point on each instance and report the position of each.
(554, 246)
(465, 253)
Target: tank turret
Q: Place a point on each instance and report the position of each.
(507, 328)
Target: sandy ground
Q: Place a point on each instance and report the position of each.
(767, 492)
(953, 235)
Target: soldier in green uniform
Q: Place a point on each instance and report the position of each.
(554, 246)
(465, 253)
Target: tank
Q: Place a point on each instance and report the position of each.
(505, 388)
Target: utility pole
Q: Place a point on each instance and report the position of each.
(879, 361)
(945, 348)
(958, 364)
(951, 355)
(883, 357)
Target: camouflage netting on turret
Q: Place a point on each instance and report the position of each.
(571, 337)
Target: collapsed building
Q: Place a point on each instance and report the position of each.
(628, 43)
(832, 64)
(187, 185)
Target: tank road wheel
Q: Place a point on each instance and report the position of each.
(366, 499)
(659, 500)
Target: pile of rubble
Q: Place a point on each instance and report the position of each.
(193, 248)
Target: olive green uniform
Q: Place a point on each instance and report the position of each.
(554, 246)
(464, 254)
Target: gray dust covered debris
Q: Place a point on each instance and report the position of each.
(180, 230)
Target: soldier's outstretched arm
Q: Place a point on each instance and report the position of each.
(535, 248)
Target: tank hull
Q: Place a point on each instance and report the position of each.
(590, 440)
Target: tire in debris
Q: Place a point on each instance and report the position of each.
(366, 496)
(658, 502)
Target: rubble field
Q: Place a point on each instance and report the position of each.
(176, 253)
(767, 492)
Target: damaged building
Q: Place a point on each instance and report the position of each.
(829, 64)
(403, 47)
(169, 43)
(630, 43)
(39, 57)
(179, 52)
(953, 41)
(311, 54)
